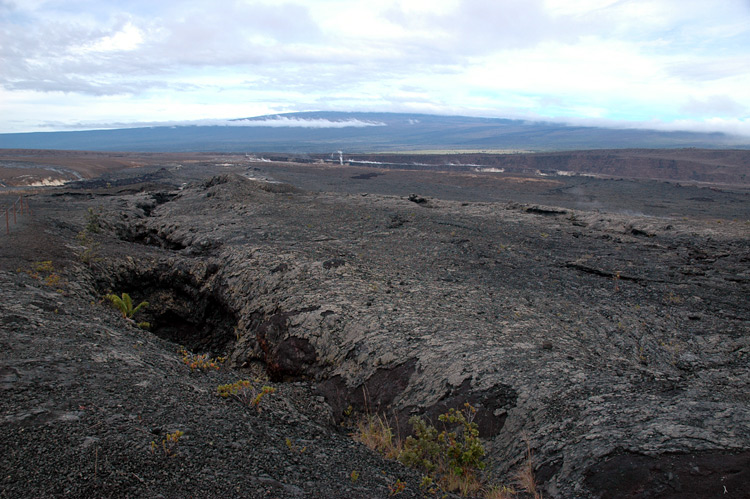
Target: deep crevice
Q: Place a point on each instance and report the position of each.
(180, 310)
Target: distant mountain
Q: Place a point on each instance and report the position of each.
(320, 132)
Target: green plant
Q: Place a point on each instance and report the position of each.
(169, 444)
(294, 447)
(428, 485)
(672, 299)
(397, 487)
(202, 361)
(89, 252)
(93, 223)
(246, 392)
(453, 456)
(44, 267)
(45, 272)
(125, 304)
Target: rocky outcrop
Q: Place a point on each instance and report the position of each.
(595, 336)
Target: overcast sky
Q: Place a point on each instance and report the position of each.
(668, 64)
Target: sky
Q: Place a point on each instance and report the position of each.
(663, 64)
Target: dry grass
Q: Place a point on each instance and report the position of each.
(525, 476)
(499, 492)
(465, 484)
(375, 432)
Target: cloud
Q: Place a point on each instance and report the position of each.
(612, 59)
(486, 26)
(265, 121)
(714, 105)
(709, 69)
(284, 122)
(126, 39)
(737, 129)
(125, 45)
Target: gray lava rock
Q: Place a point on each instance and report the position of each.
(573, 332)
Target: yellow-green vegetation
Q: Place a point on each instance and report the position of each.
(93, 222)
(247, 392)
(168, 445)
(294, 447)
(125, 304)
(397, 487)
(375, 432)
(454, 458)
(525, 475)
(451, 457)
(672, 299)
(89, 251)
(201, 362)
(45, 271)
(44, 267)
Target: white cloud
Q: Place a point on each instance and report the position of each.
(284, 122)
(126, 39)
(640, 60)
(266, 122)
(715, 105)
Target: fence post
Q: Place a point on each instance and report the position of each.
(7, 222)
(14, 213)
(21, 199)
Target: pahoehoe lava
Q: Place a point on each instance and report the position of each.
(615, 345)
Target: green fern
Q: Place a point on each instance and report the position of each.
(125, 304)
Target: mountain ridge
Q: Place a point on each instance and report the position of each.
(327, 131)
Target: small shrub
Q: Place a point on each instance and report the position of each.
(169, 444)
(454, 457)
(397, 487)
(93, 222)
(428, 485)
(52, 280)
(89, 252)
(45, 271)
(246, 392)
(201, 362)
(451, 457)
(44, 267)
(672, 299)
(294, 447)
